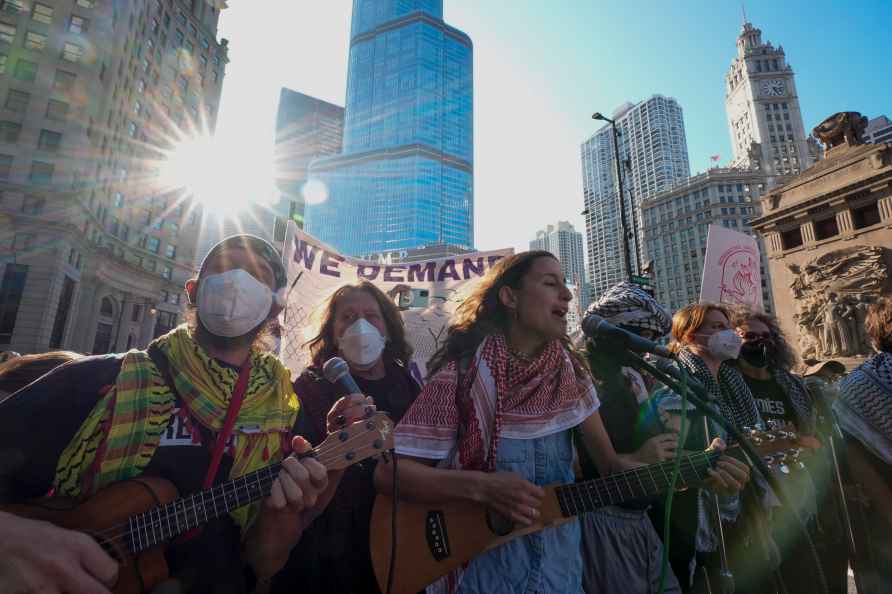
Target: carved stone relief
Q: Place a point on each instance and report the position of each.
(832, 294)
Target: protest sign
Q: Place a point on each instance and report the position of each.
(316, 271)
(731, 272)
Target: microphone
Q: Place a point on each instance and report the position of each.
(594, 326)
(337, 372)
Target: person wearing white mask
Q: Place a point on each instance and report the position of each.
(164, 409)
(705, 345)
(363, 326)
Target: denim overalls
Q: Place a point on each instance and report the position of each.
(546, 562)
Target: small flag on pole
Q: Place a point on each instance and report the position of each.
(715, 158)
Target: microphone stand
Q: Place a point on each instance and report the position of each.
(638, 362)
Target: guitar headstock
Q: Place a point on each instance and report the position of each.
(354, 443)
(778, 446)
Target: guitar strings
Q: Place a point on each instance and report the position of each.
(328, 456)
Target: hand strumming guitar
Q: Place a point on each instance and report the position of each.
(729, 475)
(510, 495)
(36, 556)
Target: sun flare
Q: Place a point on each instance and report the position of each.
(221, 176)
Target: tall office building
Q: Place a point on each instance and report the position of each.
(762, 105)
(565, 243)
(878, 130)
(405, 177)
(653, 155)
(306, 129)
(676, 223)
(93, 250)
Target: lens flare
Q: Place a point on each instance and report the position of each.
(315, 191)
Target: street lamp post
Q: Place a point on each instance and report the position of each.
(622, 202)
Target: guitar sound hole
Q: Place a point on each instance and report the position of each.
(500, 524)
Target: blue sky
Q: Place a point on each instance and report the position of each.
(543, 66)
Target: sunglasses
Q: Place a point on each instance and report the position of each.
(748, 336)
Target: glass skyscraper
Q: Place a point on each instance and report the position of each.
(405, 177)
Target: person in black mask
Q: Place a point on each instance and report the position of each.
(765, 362)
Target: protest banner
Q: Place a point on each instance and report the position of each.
(731, 272)
(315, 271)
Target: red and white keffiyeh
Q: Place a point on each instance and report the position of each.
(507, 397)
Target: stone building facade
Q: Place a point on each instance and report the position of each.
(94, 250)
(828, 234)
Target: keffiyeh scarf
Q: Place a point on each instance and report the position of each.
(117, 440)
(500, 396)
(864, 406)
(627, 304)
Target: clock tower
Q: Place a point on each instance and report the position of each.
(762, 106)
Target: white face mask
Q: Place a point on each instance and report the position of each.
(233, 303)
(724, 345)
(361, 344)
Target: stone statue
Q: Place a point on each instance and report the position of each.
(832, 293)
(844, 127)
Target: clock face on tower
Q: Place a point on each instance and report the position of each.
(773, 88)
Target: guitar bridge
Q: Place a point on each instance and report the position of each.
(437, 537)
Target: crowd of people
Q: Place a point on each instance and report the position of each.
(510, 406)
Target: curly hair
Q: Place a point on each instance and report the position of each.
(784, 357)
(878, 324)
(323, 346)
(688, 320)
(482, 313)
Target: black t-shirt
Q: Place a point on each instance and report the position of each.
(39, 421)
(773, 403)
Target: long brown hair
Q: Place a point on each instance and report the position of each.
(18, 372)
(784, 357)
(688, 320)
(323, 346)
(483, 313)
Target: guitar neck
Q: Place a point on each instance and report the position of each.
(162, 523)
(638, 483)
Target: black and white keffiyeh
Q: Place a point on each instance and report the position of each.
(627, 304)
(729, 390)
(864, 406)
(800, 400)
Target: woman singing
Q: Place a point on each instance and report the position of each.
(495, 423)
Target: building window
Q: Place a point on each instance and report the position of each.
(9, 131)
(49, 140)
(140, 86)
(25, 70)
(72, 52)
(42, 13)
(11, 291)
(167, 321)
(7, 33)
(866, 215)
(56, 110)
(3, 59)
(33, 205)
(131, 129)
(153, 244)
(102, 342)
(179, 38)
(170, 251)
(5, 166)
(17, 100)
(35, 41)
(41, 173)
(135, 313)
(166, 272)
(64, 81)
(118, 200)
(62, 312)
(791, 239)
(86, 3)
(78, 24)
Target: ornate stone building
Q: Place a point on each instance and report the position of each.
(828, 234)
(94, 251)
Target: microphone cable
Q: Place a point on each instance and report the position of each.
(676, 470)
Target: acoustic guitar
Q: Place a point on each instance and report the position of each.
(135, 520)
(434, 539)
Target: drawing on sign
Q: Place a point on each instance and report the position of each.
(740, 275)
